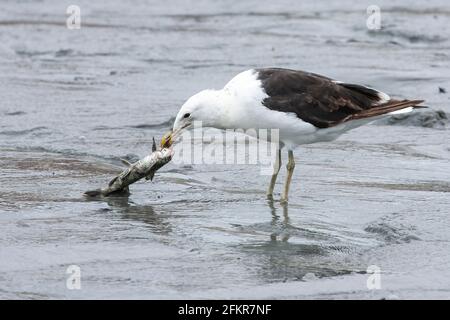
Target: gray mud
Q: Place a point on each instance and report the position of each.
(75, 101)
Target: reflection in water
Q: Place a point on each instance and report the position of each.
(291, 252)
(128, 210)
(276, 221)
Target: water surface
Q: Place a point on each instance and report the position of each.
(75, 101)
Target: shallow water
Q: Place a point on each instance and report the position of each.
(75, 101)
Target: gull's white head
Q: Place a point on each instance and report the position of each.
(206, 106)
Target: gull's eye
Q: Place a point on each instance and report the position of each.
(186, 115)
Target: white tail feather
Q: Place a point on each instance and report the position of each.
(406, 110)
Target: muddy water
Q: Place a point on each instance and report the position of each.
(74, 101)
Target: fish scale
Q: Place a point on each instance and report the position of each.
(143, 168)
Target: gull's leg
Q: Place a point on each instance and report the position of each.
(276, 169)
(290, 170)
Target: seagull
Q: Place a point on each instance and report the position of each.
(305, 107)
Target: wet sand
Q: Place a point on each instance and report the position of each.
(75, 101)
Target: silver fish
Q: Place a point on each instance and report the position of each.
(144, 168)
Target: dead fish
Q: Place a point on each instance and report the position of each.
(144, 168)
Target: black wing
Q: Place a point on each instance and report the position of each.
(320, 100)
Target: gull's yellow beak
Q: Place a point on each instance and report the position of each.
(166, 140)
